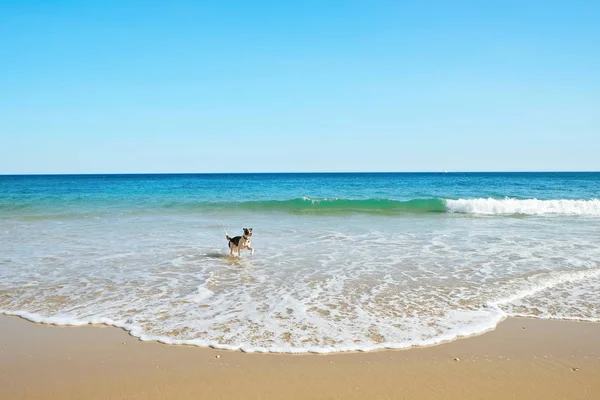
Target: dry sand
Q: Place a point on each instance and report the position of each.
(521, 359)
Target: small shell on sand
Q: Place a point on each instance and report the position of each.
(217, 356)
(456, 359)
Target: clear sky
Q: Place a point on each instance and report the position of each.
(240, 86)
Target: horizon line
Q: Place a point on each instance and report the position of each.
(294, 172)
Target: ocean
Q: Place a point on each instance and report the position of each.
(343, 262)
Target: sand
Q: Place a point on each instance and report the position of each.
(521, 359)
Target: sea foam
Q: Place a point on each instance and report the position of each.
(492, 206)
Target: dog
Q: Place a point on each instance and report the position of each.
(240, 242)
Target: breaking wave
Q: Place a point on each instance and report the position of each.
(487, 206)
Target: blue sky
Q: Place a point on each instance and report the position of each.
(235, 86)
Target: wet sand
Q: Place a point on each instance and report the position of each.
(521, 359)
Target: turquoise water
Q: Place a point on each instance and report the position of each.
(343, 261)
(152, 192)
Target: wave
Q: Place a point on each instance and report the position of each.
(488, 320)
(486, 206)
(329, 206)
(459, 323)
(524, 206)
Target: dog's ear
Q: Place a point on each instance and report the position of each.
(250, 229)
(244, 229)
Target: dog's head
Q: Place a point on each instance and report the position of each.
(248, 232)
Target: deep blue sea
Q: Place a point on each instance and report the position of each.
(343, 261)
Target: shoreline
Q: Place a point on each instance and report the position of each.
(34, 319)
(523, 358)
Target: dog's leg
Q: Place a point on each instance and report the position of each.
(251, 249)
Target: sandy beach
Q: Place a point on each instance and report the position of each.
(521, 359)
(299, 200)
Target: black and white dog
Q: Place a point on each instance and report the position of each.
(240, 242)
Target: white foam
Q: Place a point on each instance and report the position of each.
(537, 284)
(202, 293)
(484, 320)
(59, 320)
(576, 297)
(321, 200)
(527, 206)
(337, 284)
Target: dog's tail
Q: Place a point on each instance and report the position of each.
(227, 235)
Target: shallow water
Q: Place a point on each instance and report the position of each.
(342, 262)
